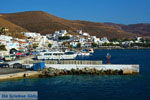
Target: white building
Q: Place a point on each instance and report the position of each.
(105, 40)
(138, 40)
(79, 31)
(85, 34)
(11, 45)
(31, 34)
(6, 38)
(59, 34)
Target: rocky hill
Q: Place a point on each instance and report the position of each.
(42, 22)
(14, 30)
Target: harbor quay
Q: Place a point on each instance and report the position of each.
(89, 64)
(81, 67)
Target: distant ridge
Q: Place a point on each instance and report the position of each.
(42, 22)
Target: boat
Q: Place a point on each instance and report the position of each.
(56, 55)
(85, 52)
(91, 50)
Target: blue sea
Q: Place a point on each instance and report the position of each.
(93, 87)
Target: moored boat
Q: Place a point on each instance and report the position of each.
(56, 55)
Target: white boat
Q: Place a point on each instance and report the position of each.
(85, 52)
(91, 50)
(56, 55)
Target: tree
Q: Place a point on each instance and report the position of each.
(49, 45)
(3, 30)
(94, 45)
(35, 45)
(2, 47)
(79, 45)
(64, 38)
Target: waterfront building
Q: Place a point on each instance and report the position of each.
(4, 37)
(105, 40)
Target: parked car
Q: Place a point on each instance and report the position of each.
(17, 65)
(35, 53)
(10, 57)
(4, 65)
(1, 61)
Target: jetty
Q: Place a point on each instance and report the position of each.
(81, 64)
(68, 67)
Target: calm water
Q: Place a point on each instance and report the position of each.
(86, 87)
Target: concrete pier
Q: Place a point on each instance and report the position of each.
(25, 74)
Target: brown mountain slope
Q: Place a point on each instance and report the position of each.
(14, 30)
(38, 21)
(142, 29)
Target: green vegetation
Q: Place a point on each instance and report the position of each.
(140, 44)
(2, 48)
(64, 38)
(2, 30)
(94, 45)
(49, 45)
(79, 45)
(110, 44)
(35, 45)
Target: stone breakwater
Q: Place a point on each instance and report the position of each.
(126, 69)
(90, 69)
(49, 72)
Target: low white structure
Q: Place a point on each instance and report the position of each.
(79, 31)
(59, 34)
(11, 45)
(105, 40)
(31, 34)
(3, 53)
(85, 34)
(6, 38)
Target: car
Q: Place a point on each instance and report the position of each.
(17, 65)
(10, 57)
(1, 61)
(26, 66)
(4, 65)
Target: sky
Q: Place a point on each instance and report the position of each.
(116, 11)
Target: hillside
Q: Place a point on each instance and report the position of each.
(14, 30)
(142, 29)
(42, 22)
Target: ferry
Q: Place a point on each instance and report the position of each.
(56, 55)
